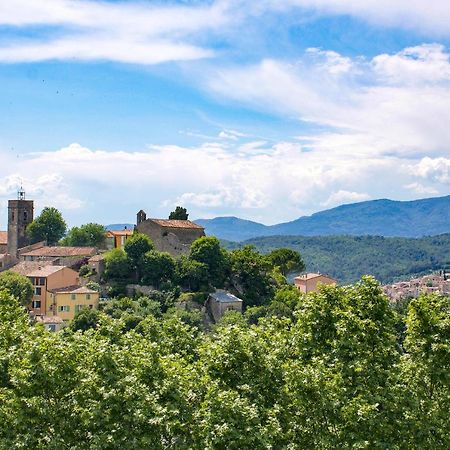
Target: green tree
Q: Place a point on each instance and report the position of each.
(85, 319)
(157, 267)
(89, 235)
(48, 226)
(287, 260)
(251, 273)
(117, 265)
(17, 285)
(191, 274)
(426, 372)
(180, 213)
(207, 250)
(136, 247)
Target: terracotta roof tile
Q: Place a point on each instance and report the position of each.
(60, 251)
(73, 290)
(112, 233)
(311, 275)
(35, 269)
(166, 223)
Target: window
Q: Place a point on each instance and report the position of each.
(88, 296)
(37, 291)
(36, 304)
(79, 307)
(73, 297)
(91, 306)
(41, 281)
(51, 327)
(64, 308)
(25, 216)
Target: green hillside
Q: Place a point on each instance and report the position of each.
(349, 257)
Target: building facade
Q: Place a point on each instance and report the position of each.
(220, 301)
(309, 282)
(44, 279)
(65, 302)
(171, 236)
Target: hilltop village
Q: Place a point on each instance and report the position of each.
(67, 279)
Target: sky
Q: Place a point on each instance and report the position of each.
(266, 110)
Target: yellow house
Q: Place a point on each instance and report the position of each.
(65, 302)
(309, 282)
(45, 278)
(117, 238)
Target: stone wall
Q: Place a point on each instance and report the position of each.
(175, 241)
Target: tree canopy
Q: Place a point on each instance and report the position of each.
(89, 235)
(207, 250)
(180, 213)
(17, 285)
(329, 375)
(49, 226)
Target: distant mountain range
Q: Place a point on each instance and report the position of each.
(384, 217)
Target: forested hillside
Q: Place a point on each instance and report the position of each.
(349, 257)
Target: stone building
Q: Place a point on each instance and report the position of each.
(220, 301)
(20, 215)
(309, 282)
(172, 236)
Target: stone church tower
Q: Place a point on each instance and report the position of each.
(20, 214)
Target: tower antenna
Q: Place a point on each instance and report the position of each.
(21, 193)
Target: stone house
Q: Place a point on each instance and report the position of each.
(220, 301)
(309, 282)
(171, 236)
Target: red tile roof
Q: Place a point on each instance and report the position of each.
(112, 233)
(73, 290)
(311, 275)
(166, 223)
(35, 269)
(61, 251)
(3, 237)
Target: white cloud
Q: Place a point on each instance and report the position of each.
(129, 32)
(333, 62)
(433, 169)
(368, 112)
(427, 63)
(419, 188)
(154, 32)
(431, 17)
(275, 183)
(341, 197)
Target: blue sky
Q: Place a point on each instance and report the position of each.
(266, 110)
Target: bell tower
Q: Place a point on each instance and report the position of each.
(20, 215)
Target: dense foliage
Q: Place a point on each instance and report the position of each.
(49, 226)
(349, 257)
(329, 373)
(179, 213)
(88, 235)
(18, 285)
